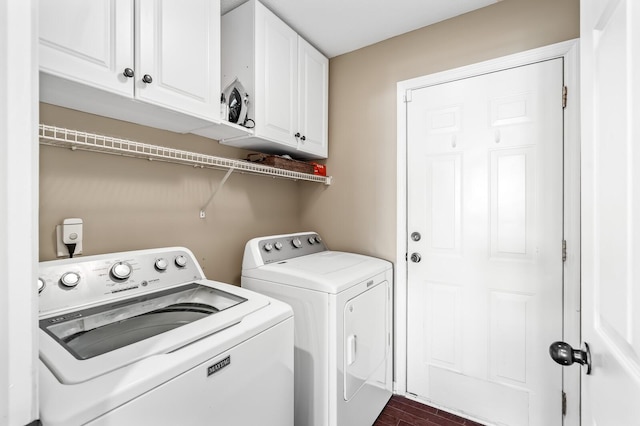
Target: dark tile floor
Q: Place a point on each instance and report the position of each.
(406, 412)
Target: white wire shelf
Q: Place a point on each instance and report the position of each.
(74, 139)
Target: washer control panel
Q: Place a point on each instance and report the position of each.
(97, 279)
(282, 247)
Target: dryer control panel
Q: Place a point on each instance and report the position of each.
(278, 248)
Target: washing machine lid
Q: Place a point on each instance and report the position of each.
(327, 271)
(95, 331)
(81, 345)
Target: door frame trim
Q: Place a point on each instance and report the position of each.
(569, 51)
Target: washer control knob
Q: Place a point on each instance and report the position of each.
(70, 279)
(161, 264)
(40, 285)
(296, 242)
(121, 271)
(278, 245)
(311, 240)
(318, 239)
(268, 247)
(181, 261)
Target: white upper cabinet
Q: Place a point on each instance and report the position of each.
(286, 79)
(313, 89)
(276, 77)
(104, 56)
(90, 42)
(177, 47)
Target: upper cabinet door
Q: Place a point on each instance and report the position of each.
(276, 78)
(178, 55)
(313, 95)
(89, 42)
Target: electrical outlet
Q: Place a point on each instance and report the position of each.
(70, 232)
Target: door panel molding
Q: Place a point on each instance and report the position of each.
(567, 50)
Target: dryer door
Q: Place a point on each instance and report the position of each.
(365, 334)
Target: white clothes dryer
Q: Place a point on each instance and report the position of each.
(342, 304)
(142, 338)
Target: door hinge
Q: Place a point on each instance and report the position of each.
(564, 96)
(564, 250)
(408, 97)
(564, 404)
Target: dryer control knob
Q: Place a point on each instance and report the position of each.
(161, 264)
(181, 261)
(296, 242)
(318, 239)
(311, 240)
(278, 245)
(121, 271)
(70, 279)
(268, 247)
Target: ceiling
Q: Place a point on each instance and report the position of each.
(340, 26)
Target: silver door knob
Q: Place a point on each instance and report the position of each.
(564, 354)
(415, 236)
(147, 78)
(415, 257)
(128, 72)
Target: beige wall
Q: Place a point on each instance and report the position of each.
(129, 204)
(358, 212)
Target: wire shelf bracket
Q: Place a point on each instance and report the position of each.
(203, 210)
(74, 139)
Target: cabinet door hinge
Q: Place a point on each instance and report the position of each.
(564, 404)
(564, 250)
(564, 96)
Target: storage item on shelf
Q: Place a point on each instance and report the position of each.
(281, 162)
(319, 169)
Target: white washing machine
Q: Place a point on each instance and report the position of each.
(141, 338)
(342, 305)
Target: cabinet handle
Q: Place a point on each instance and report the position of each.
(147, 78)
(297, 135)
(303, 138)
(128, 72)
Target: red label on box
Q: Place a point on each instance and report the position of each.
(319, 169)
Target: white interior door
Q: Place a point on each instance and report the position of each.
(611, 210)
(485, 158)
